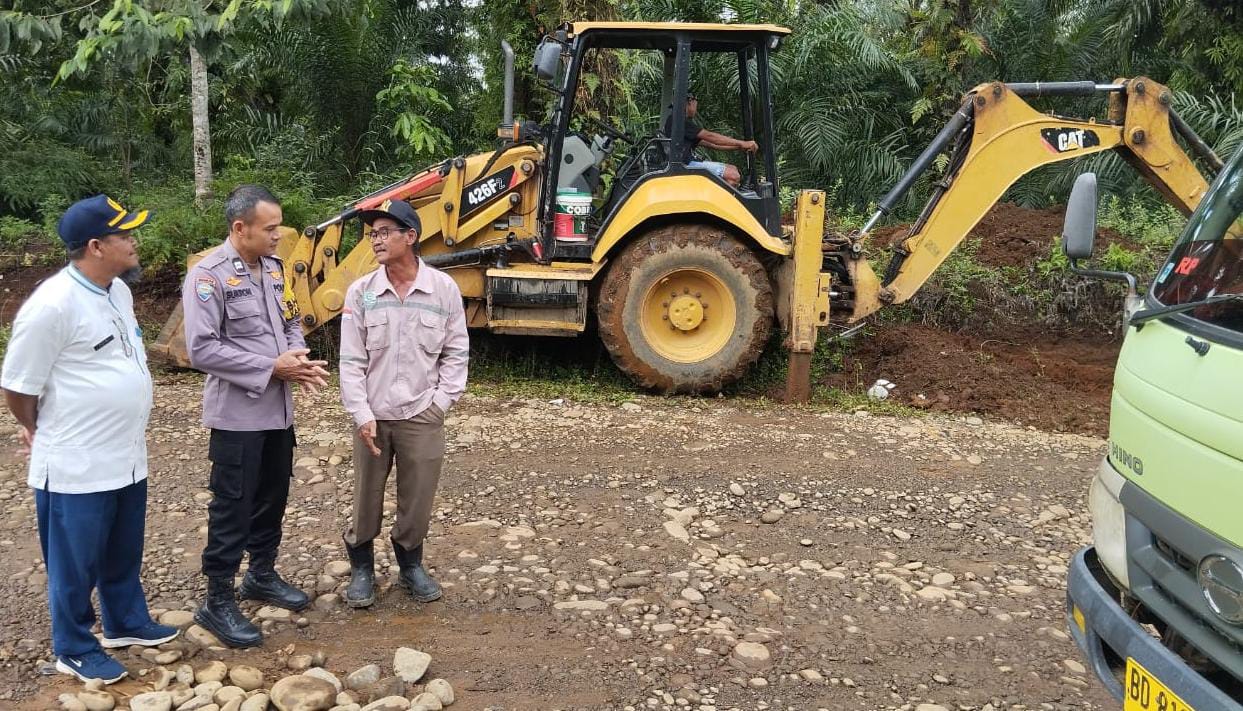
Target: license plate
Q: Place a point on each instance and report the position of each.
(1141, 691)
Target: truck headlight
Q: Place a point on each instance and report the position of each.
(1221, 581)
(1109, 521)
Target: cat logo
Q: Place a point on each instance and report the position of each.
(1064, 140)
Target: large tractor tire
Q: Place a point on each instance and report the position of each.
(685, 308)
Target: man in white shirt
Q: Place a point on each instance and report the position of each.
(75, 377)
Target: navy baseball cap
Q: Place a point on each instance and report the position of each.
(399, 211)
(94, 218)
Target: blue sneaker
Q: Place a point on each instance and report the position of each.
(95, 664)
(149, 635)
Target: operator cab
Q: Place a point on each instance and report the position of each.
(579, 164)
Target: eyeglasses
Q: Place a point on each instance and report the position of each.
(384, 233)
(124, 333)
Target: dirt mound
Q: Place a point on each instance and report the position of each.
(1052, 382)
(1012, 236)
(155, 296)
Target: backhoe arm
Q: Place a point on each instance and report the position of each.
(994, 139)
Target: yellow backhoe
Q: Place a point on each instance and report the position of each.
(686, 275)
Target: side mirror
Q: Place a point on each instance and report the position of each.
(547, 60)
(1079, 229)
(1078, 233)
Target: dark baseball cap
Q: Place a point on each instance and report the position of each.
(398, 211)
(94, 218)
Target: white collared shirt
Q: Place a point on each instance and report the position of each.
(79, 349)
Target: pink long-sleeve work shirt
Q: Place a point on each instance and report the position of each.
(400, 354)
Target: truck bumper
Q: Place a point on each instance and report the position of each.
(1109, 636)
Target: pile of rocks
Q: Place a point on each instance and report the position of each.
(217, 687)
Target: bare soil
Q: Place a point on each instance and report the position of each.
(1012, 236)
(652, 512)
(1054, 382)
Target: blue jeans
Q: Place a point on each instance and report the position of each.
(93, 541)
(717, 169)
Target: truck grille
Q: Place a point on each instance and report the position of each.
(1162, 572)
(1174, 556)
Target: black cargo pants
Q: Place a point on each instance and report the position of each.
(250, 473)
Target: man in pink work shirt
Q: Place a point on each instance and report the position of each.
(404, 350)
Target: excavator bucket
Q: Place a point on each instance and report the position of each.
(170, 345)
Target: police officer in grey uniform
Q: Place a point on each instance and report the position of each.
(242, 329)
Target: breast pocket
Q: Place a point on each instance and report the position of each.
(377, 326)
(243, 317)
(430, 333)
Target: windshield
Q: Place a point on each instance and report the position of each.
(1208, 258)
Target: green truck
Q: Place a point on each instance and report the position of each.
(1156, 603)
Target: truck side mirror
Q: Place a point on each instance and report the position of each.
(1078, 233)
(1079, 229)
(547, 60)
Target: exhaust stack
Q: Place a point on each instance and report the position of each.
(507, 129)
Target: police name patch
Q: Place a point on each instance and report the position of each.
(204, 287)
(232, 294)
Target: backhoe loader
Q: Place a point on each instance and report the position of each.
(685, 274)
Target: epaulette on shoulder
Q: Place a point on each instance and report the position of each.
(213, 258)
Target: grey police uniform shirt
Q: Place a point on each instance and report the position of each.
(235, 329)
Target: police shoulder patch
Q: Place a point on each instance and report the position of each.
(204, 287)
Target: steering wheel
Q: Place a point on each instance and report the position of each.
(608, 130)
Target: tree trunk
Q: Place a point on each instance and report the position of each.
(202, 127)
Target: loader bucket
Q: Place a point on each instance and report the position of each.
(170, 345)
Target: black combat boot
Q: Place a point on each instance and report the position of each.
(361, 590)
(220, 615)
(263, 583)
(412, 576)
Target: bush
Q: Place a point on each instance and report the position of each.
(1155, 225)
(17, 234)
(179, 228)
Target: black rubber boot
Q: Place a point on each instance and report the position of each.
(263, 583)
(220, 615)
(361, 590)
(412, 576)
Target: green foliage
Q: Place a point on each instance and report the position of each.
(135, 33)
(346, 95)
(410, 100)
(1153, 224)
(179, 228)
(961, 278)
(16, 234)
(1120, 259)
(1056, 265)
